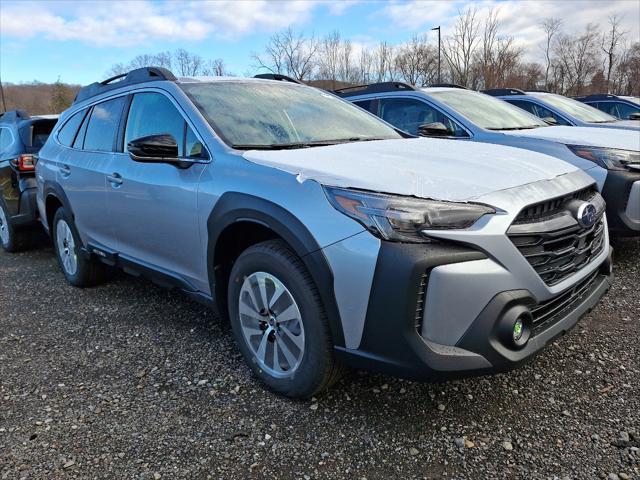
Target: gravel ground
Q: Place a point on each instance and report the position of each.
(131, 381)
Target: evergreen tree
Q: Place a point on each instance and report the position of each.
(59, 97)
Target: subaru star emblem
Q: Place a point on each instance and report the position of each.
(586, 215)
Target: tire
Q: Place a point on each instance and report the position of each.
(295, 326)
(12, 239)
(78, 269)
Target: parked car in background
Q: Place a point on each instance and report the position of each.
(21, 137)
(560, 110)
(619, 106)
(610, 156)
(324, 236)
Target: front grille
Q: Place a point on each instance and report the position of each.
(546, 314)
(552, 241)
(422, 293)
(552, 207)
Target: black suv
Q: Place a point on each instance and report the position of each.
(21, 137)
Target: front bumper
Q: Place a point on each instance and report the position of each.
(621, 191)
(394, 339)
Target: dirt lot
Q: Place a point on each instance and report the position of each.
(130, 381)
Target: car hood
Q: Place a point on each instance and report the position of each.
(628, 124)
(427, 168)
(597, 137)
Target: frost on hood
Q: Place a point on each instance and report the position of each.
(452, 170)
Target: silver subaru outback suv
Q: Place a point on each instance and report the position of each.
(323, 235)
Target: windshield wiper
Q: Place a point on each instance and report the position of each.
(294, 145)
(527, 127)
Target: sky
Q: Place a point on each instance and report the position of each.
(79, 41)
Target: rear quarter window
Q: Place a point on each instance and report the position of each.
(68, 131)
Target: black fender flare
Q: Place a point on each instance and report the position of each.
(235, 207)
(54, 189)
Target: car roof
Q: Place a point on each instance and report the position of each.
(443, 89)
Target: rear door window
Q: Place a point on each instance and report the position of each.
(409, 114)
(103, 125)
(67, 133)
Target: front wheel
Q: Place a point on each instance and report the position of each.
(78, 269)
(279, 322)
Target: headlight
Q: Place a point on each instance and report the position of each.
(609, 158)
(398, 218)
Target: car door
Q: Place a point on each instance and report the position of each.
(410, 113)
(154, 205)
(81, 171)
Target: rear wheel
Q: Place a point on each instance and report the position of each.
(279, 322)
(12, 239)
(78, 269)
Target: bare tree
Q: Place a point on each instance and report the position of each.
(329, 57)
(383, 62)
(417, 62)
(289, 53)
(460, 48)
(215, 68)
(610, 43)
(578, 56)
(188, 64)
(499, 57)
(551, 27)
(628, 71)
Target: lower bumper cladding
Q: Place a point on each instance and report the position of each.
(511, 329)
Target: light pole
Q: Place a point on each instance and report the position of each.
(439, 48)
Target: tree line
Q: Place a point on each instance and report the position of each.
(475, 54)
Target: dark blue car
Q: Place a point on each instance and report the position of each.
(622, 107)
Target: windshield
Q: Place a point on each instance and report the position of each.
(487, 112)
(253, 114)
(580, 110)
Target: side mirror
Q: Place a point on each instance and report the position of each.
(634, 116)
(435, 129)
(550, 121)
(155, 149)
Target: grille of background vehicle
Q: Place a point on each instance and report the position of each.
(557, 252)
(547, 313)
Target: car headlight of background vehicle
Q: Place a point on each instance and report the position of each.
(394, 217)
(609, 158)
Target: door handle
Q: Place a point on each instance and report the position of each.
(65, 171)
(115, 179)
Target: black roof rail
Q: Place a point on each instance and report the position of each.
(596, 96)
(139, 75)
(373, 88)
(503, 92)
(277, 76)
(450, 85)
(13, 115)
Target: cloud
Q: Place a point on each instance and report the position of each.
(130, 23)
(519, 19)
